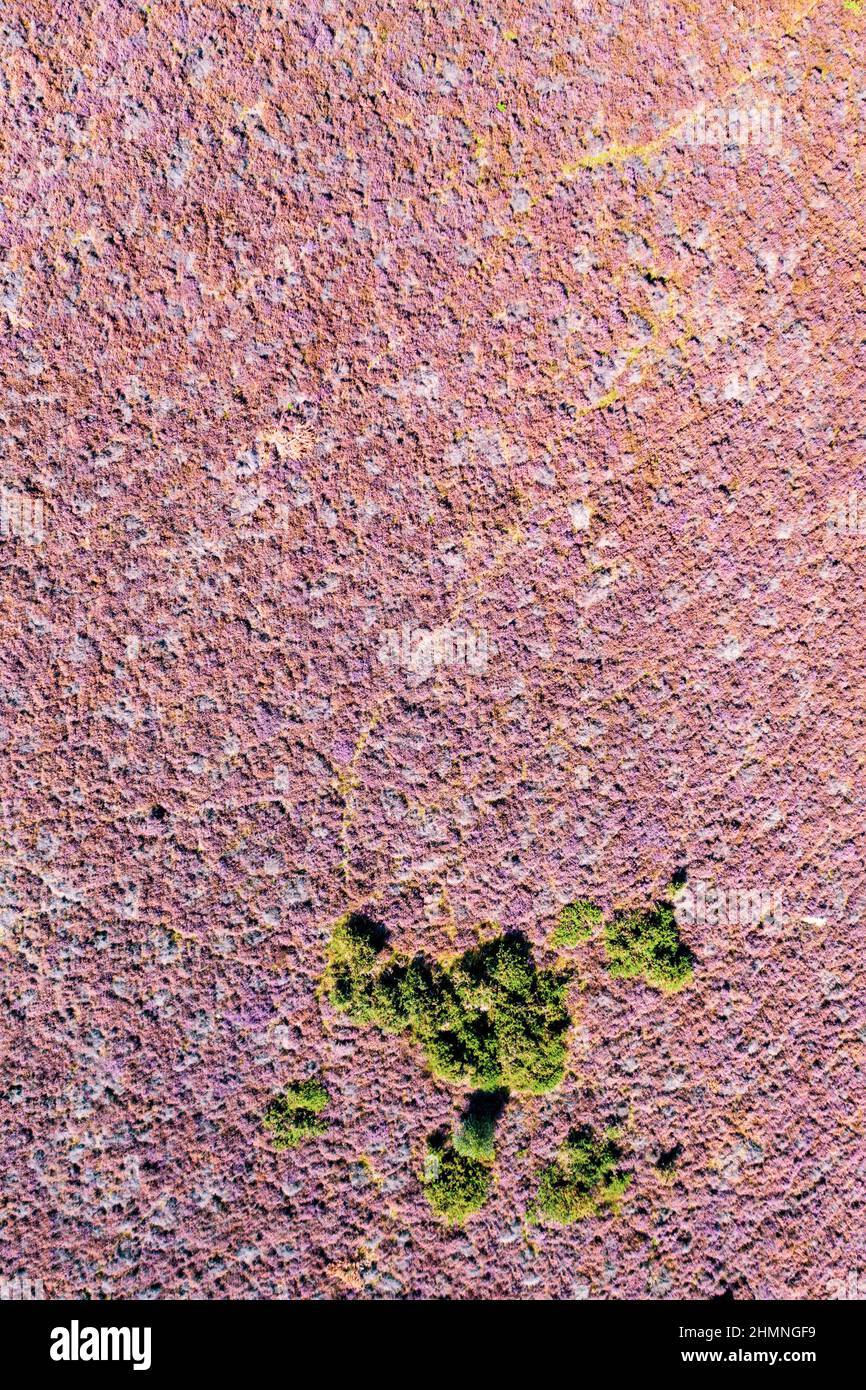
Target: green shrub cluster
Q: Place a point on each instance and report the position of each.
(488, 1019)
(644, 943)
(577, 922)
(649, 944)
(456, 1184)
(293, 1115)
(582, 1179)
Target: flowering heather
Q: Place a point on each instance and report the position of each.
(432, 515)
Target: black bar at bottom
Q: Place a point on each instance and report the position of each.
(162, 1340)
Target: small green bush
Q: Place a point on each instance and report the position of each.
(292, 1116)
(489, 1018)
(353, 958)
(577, 922)
(455, 1184)
(307, 1095)
(582, 1179)
(649, 944)
(474, 1138)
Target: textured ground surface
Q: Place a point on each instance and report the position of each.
(322, 320)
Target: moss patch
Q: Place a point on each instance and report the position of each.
(293, 1116)
(489, 1019)
(582, 1180)
(649, 944)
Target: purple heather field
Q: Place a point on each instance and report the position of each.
(433, 487)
